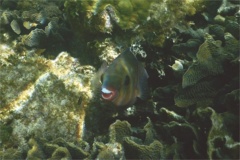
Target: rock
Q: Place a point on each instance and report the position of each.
(36, 38)
(45, 94)
(15, 27)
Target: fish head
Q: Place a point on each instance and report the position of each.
(114, 83)
(123, 80)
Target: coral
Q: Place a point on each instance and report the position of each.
(121, 143)
(227, 7)
(61, 153)
(150, 132)
(105, 155)
(151, 20)
(180, 136)
(165, 15)
(217, 32)
(222, 135)
(49, 148)
(223, 140)
(232, 99)
(11, 153)
(56, 149)
(36, 151)
(183, 140)
(119, 130)
(201, 81)
(163, 96)
(200, 94)
(208, 63)
(127, 14)
(50, 109)
(139, 151)
(170, 116)
(232, 27)
(79, 150)
(109, 150)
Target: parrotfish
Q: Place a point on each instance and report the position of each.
(123, 80)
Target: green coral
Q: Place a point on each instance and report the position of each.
(107, 151)
(119, 130)
(49, 148)
(205, 77)
(123, 145)
(200, 94)
(223, 136)
(76, 151)
(180, 136)
(209, 63)
(61, 153)
(56, 149)
(11, 153)
(105, 155)
(231, 100)
(36, 150)
(150, 132)
(134, 150)
(220, 131)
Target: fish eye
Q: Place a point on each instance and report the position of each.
(127, 80)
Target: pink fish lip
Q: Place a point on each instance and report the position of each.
(108, 94)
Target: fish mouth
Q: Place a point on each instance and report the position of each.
(108, 94)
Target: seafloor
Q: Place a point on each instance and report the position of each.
(50, 51)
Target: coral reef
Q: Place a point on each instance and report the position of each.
(50, 107)
(151, 20)
(198, 83)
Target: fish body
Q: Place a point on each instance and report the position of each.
(124, 80)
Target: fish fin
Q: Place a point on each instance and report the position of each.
(143, 90)
(96, 81)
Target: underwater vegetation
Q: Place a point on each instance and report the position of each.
(186, 52)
